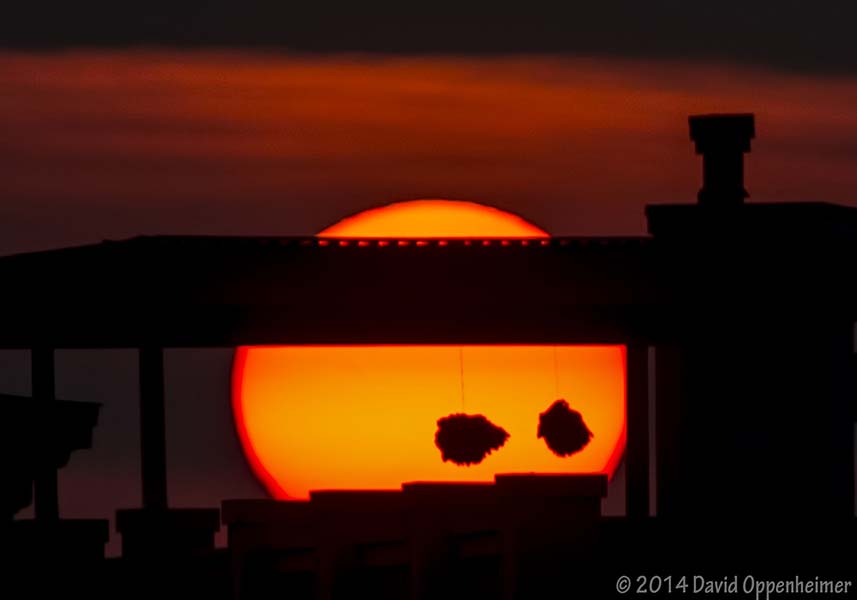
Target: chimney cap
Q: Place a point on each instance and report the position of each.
(730, 132)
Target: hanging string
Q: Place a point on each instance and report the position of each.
(461, 374)
(555, 374)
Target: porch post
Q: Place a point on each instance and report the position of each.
(43, 390)
(153, 451)
(637, 452)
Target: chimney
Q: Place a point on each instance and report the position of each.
(722, 140)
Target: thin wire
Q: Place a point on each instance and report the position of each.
(461, 374)
(555, 374)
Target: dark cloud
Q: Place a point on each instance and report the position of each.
(809, 36)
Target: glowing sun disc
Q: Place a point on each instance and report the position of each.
(365, 417)
(433, 218)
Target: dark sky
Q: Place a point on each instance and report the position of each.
(791, 34)
(277, 118)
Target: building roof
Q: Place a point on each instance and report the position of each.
(227, 291)
(209, 290)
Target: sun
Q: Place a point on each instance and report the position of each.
(433, 218)
(367, 417)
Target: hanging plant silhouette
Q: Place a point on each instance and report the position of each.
(467, 439)
(563, 429)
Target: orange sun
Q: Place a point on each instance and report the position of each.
(365, 417)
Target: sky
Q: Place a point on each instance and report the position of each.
(102, 144)
(120, 119)
(787, 34)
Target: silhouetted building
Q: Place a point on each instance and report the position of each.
(756, 405)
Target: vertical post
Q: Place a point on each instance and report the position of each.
(668, 391)
(43, 390)
(153, 451)
(637, 453)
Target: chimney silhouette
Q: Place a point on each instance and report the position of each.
(722, 140)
